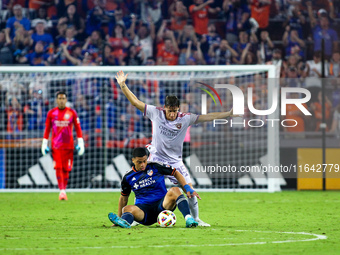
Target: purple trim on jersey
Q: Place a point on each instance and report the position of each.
(196, 119)
(145, 110)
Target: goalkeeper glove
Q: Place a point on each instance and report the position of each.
(80, 146)
(44, 147)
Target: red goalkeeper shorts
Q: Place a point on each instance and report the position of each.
(63, 159)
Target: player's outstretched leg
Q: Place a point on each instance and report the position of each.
(115, 219)
(193, 204)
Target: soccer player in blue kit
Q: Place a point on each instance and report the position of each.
(146, 180)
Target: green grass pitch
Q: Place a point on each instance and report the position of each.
(242, 223)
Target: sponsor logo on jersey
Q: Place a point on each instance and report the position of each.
(133, 179)
(150, 172)
(179, 125)
(136, 186)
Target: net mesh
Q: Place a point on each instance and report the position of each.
(112, 127)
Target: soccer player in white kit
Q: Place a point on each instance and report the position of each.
(169, 127)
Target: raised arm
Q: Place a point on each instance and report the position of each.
(215, 115)
(121, 78)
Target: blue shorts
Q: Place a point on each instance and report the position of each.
(151, 211)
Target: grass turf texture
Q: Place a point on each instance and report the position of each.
(38, 223)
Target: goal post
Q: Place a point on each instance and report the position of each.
(112, 127)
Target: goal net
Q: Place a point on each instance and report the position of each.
(112, 127)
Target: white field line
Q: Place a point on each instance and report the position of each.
(315, 238)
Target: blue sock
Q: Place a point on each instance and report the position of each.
(183, 205)
(128, 217)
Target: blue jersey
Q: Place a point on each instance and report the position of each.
(148, 185)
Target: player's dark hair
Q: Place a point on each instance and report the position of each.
(139, 152)
(61, 93)
(171, 101)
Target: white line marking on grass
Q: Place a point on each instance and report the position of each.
(316, 237)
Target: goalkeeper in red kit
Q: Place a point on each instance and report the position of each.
(61, 120)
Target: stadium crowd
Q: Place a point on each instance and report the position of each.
(164, 32)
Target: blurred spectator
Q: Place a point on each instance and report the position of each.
(133, 58)
(144, 37)
(15, 22)
(317, 111)
(199, 14)
(168, 51)
(292, 42)
(237, 14)
(212, 38)
(313, 70)
(6, 53)
(335, 127)
(260, 10)
(77, 58)
(94, 44)
(69, 38)
(266, 47)
(37, 57)
(247, 57)
(152, 9)
(14, 116)
(321, 31)
(223, 54)
(194, 57)
(334, 65)
(42, 15)
(277, 57)
(83, 109)
(109, 58)
(72, 18)
(12, 87)
(40, 35)
(119, 42)
(179, 15)
(21, 42)
(39, 84)
(46, 6)
(187, 35)
(294, 113)
(242, 43)
(35, 111)
(62, 5)
(98, 16)
(296, 20)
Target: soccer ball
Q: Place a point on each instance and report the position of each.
(166, 219)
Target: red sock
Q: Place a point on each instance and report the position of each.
(66, 177)
(60, 178)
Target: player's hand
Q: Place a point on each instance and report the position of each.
(121, 78)
(80, 146)
(44, 147)
(190, 192)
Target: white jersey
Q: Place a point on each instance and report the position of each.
(168, 136)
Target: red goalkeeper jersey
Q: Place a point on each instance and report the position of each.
(61, 122)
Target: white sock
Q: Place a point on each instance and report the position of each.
(193, 205)
(187, 216)
(62, 191)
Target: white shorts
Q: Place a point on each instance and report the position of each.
(179, 165)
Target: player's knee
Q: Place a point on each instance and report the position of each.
(175, 192)
(128, 208)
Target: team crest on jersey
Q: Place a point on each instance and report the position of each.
(67, 116)
(150, 172)
(179, 125)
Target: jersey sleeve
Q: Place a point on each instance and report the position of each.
(192, 118)
(125, 187)
(76, 123)
(165, 169)
(48, 125)
(150, 111)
